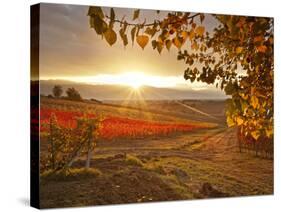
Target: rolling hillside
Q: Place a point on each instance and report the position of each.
(118, 92)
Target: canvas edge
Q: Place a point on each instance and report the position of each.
(34, 103)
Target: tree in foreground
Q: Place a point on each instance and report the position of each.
(66, 144)
(57, 91)
(236, 56)
(73, 94)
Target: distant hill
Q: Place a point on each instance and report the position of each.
(119, 92)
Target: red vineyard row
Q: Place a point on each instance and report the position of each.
(116, 127)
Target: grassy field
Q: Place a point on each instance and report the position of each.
(200, 163)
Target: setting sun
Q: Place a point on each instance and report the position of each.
(133, 79)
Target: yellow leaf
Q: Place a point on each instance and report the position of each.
(244, 96)
(142, 40)
(200, 31)
(184, 35)
(239, 121)
(255, 134)
(176, 41)
(269, 132)
(254, 102)
(110, 36)
(239, 50)
(262, 48)
(230, 121)
(93, 11)
(159, 47)
(191, 35)
(168, 44)
(98, 24)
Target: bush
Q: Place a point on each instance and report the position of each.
(57, 91)
(73, 94)
(155, 168)
(133, 160)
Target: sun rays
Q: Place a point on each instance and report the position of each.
(135, 99)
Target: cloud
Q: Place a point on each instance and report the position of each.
(70, 48)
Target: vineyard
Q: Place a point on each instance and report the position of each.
(262, 147)
(99, 145)
(73, 133)
(116, 127)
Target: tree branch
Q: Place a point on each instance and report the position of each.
(150, 24)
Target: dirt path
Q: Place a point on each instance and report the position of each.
(208, 145)
(211, 156)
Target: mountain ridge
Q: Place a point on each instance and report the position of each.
(121, 92)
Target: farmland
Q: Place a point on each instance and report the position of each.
(127, 128)
(152, 153)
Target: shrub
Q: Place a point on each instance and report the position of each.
(155, 168)
(73, 94)
(57, 91)
(133, 160)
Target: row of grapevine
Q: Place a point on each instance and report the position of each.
(113, 128)
(262, 147)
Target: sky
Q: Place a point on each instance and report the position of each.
(71, 50)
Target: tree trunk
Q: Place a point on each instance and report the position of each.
(69, 164)
(88, 161)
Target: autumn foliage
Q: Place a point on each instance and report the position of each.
(115, 127)
(72, 134)
(236, 56)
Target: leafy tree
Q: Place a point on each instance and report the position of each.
(73, 94)
(66, 144)
(57, 91)
(237, 56)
